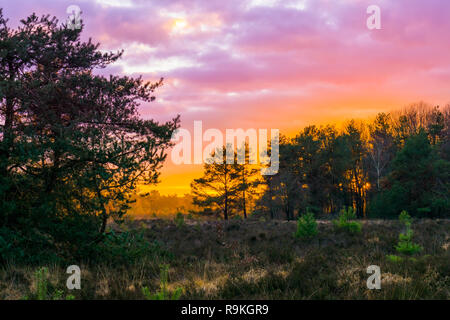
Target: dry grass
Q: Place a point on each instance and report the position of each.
(262, 260)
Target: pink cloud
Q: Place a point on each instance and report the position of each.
(238, 65)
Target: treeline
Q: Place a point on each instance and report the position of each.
(399, 161)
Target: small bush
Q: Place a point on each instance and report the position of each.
(353, 227)
(394, 258)
(26, 247)
(164, 293)
(407, 247)
(306, 226)
(129, 247)
(344, 223)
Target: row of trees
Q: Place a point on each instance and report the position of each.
(72, 144)
(398, 161)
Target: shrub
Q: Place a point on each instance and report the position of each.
(344, 223)
(306, 226)
(353, 227)
(27, 247)
(164, 293)
(408, 247)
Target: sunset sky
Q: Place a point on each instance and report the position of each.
(267, 63)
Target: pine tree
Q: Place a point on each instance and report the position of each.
(218, 189)
(73, 146)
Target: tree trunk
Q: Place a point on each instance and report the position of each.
(104, 215)
(358, 195)
(244, 204)
(104, 220)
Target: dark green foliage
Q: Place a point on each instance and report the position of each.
(26, 246)
(405, 244)
(418, 182)
(128, 247)
(163, 293)
(306, 226)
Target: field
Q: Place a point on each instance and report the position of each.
(259, 260)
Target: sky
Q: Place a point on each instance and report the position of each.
(281, 64)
